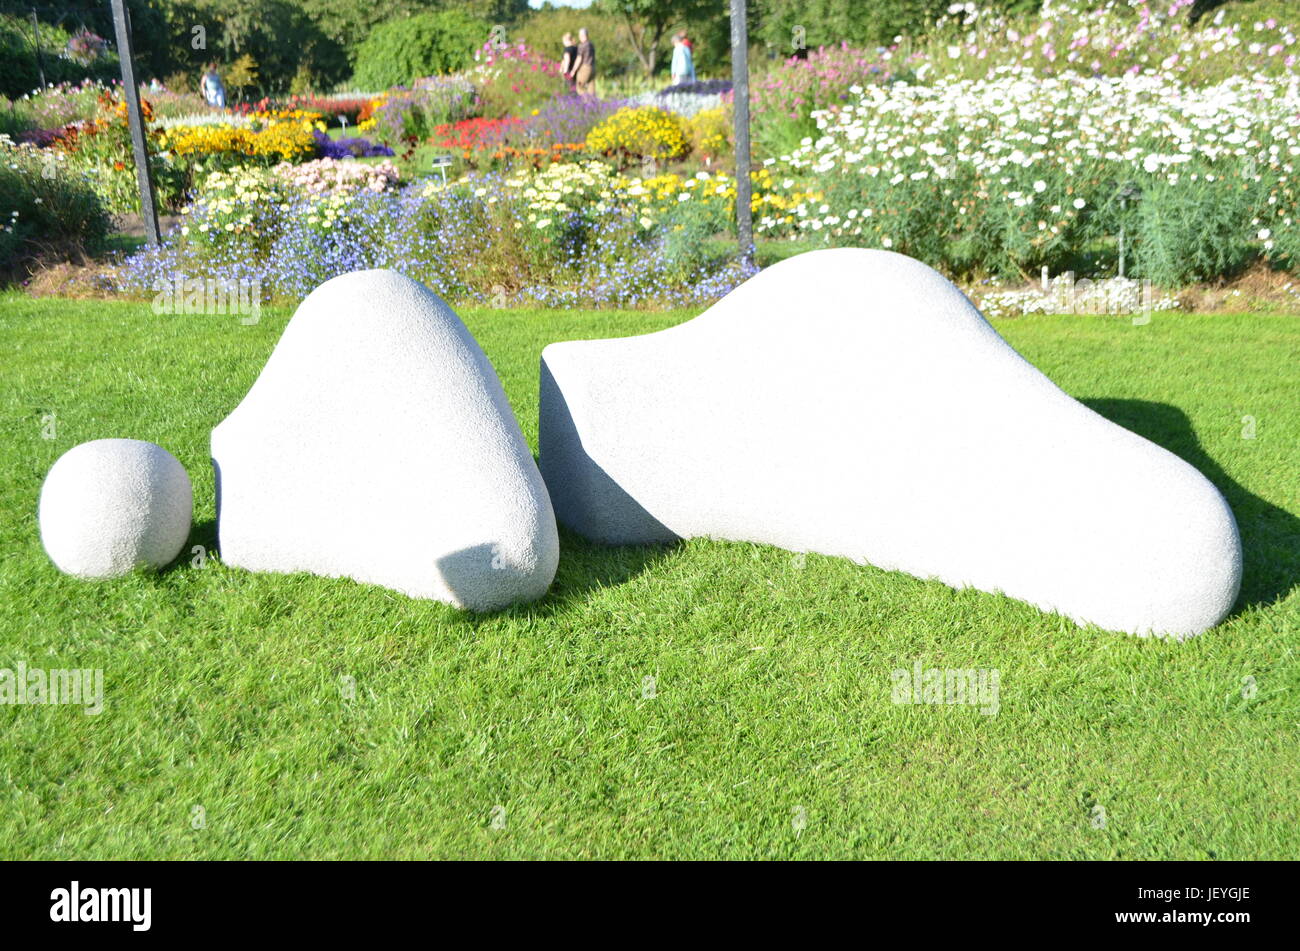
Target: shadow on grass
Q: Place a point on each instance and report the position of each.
(1270, 536)
(587, 567)
(203, 533)
(584, 567)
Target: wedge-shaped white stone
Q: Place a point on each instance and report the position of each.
(377, 444)
(854, 403)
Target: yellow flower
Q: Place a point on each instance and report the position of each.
(644, 131)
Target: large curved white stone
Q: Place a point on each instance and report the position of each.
(111, 505)
(854, 403)
(377, 444)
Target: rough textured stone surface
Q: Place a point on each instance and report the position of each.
(854, 403)
(111, 505)
(377, 444)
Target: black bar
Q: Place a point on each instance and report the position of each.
(148, 210)
(1228, 903)
(740, 83)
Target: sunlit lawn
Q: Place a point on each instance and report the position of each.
(768, 728)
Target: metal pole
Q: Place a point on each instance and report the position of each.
(148, 210)
(1123, 206)
(740, 85)
(36, 47)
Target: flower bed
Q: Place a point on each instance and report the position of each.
(412, 114)
(51, 108)
(633, 134)
(572, 234)
(44, 202)
(1016, 172)
(514, 80)
(1111, 38)
(343, 106)
(280, 141)
(351, 147)
(995, 147)
(783, 101)
(471, 135)
(329, 176)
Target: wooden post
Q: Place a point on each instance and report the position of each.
(131, 89)
(740, 85)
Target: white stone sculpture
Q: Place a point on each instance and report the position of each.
(854, 403)
(112, 505)
(377, 444)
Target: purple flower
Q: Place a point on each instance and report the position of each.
(347, 148)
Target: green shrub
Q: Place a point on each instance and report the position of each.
(832, 22)
(1196, 232)
(402, 50)
(50, 108)
(688, 248)
(46, 208)
(711, 132)
(1247, 12)
(20, 69)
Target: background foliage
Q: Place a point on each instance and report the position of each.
(315, 45)
(423, 45)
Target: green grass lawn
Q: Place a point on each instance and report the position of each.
(770, 731)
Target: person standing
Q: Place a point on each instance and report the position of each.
(683, 65)
(214, 93)
(569, 61)
(585, 73)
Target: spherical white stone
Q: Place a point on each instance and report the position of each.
(377, 444)
(854, 403)
(111, 505)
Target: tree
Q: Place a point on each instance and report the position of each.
(401, 50)
(783, 23)
(278, 35)
(542, 28)
(648, 22)
(348, 22)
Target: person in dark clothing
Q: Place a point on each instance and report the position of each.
(569, 61)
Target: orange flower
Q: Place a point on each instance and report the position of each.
(119, 166)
